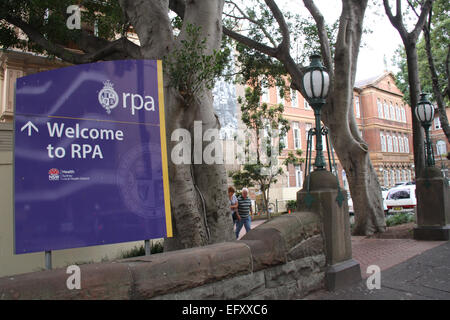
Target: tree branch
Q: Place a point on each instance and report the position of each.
(323, 36)
(106, 50)
(278, 15)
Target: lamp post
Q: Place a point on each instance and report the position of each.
(425, 114)
(315, 83)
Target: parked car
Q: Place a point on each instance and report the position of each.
(401, 199)
(384, 193)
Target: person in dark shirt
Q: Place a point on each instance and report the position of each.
(245, 212)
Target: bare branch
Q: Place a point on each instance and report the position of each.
(251, 43)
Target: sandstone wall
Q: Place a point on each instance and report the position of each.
(280, 259)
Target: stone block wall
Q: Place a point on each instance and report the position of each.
(280, 259)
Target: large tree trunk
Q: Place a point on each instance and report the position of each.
(198, 192)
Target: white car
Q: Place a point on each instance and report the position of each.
(401, 199)
(350, 202)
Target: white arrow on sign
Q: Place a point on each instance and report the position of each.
(29, 125)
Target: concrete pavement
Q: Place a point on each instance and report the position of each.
(425, 276)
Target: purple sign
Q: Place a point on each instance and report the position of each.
(90, 156)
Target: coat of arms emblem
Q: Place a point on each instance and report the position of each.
(108, 97)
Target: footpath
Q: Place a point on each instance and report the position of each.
(410, 270)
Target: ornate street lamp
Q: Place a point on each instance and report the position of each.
(425, 114)
(316, 84)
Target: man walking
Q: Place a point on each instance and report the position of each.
(244, 211)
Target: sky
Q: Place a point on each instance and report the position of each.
(380, 44)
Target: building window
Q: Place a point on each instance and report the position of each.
(404, 175)
(383, 142)
(398, 115)
(298, 177)
(406, 145)
(403, 114)
(389, 143)
(386, 110)
(392, 112)
(437, 123)
(357, 109)
(294, 101)
(395, 142)
(392, 178)
(398, 176)
(409, 174)
(265, 94)
(441, 148)
(296, 131)
(308, 127)
(306, 105)
(401, 144)
(280, 100)
(283, 139)
(380, 109)
(385, 178)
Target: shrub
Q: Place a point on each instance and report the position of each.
(291, 205)
(399, 218)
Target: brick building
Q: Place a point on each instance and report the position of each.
(385, 123)
(440, 144)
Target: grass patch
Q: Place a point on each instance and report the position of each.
(400, 218)
(138, 251)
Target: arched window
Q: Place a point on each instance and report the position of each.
(395, 142)
(441, 148)
(386, 110)
(389, 143)
(392, 111)
(405, 178)
(398, 177)
(401, 144)
(386, 178)
(392, 177)
(406, 145)
(380, 108)
(409, 174)
(383, 142)
(403, 114)
(398, 115)
(294, 102)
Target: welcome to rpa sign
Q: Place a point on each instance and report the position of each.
(90, 156)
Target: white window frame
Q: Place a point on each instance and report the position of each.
(386, 110)
(297, 139)
(308, 126)
(383, 142)
(298, 177)
(389, 143)
(392, 174)
(441, 148)
(280, 100)
(437, 123)
(380, 108)
(357, 108)
(392, 111)
(395, 143)
(403, 114)
(406, 144)
(265, 94)
(294, 98)
(401, 145)
(386, 177)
